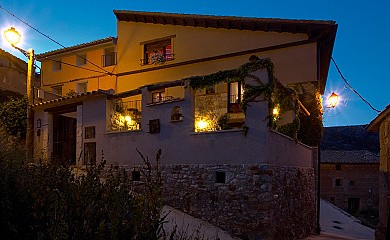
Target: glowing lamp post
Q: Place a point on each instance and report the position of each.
(13, 37)
(333, 100)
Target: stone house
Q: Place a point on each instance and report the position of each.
(381, 124)
(349, 179)
(207, 90)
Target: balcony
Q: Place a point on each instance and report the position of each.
(159, 59)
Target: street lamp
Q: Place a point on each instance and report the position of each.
(333, 100)
(13, 37)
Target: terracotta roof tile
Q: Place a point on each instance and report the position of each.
(79, 97)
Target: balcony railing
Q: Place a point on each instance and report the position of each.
(161, 99)
(164, 58)
(109, 59)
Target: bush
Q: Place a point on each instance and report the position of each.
(47, 201)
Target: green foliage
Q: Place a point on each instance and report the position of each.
(48, 201)
(307, 129)
(13, 114)
(71, 93)
(311, 129)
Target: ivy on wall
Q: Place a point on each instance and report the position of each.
(308, 130)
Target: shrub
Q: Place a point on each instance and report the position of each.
(47, 201)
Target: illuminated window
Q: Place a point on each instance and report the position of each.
(158, 97)
(235, 92)
(158, 52)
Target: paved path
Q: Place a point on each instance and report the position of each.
(192, 228)
(337, 224)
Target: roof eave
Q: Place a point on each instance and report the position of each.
(100, 42)
(376, 122)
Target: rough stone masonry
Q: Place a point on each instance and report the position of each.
(249, 201)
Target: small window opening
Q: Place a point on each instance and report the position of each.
(136, 175)
(176, 114)
(90, 132)
(56, 65)
(338, 167)
(57, 90)
(220, 177)
(81, 60)
(338, 182)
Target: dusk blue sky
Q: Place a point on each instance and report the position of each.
(362, 47)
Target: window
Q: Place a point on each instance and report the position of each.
(56, 65)
(109, 57)
(176, 114)
(338, 182)
(235, 92)
(352, 183)
(81, 87)
(158, 52)
(154, 126)
(220, 177)
(90, 153)
(158, 97)
(81, 59)
(89, 132)
(57, 90)
(136, 175)
(338, 167)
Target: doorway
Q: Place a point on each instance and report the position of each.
(353, 205)
(64, 138)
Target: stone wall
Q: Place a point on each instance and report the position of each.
(253, 201)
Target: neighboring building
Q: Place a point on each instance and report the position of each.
(349, 179)
(350, 168)
(381, 124)
(13, 73)
(176, 84)
(79, 69)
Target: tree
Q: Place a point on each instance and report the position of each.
(13, 114)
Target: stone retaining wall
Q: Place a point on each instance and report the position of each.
(254, 202)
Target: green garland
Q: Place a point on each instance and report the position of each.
(273, 91)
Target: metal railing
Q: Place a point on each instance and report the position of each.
(159, 99)
(165, 58)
